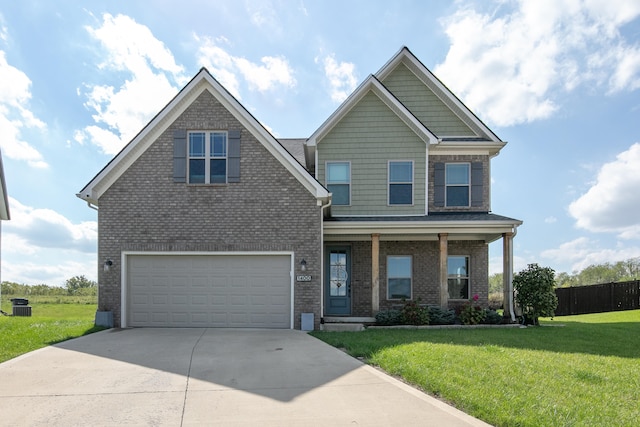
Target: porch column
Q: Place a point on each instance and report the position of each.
(375, 274)
(507, 275)
(444, 285)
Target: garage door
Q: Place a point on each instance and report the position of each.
(232, 291)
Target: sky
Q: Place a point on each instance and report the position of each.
(559, 80)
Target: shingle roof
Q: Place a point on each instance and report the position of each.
(432, 217)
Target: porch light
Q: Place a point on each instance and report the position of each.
(303, 265)
(107, 264)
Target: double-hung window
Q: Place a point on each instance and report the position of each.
(457, 184)
(399, 275)
(339, 182)
(458, 277)
(207, 157)
(400, 182)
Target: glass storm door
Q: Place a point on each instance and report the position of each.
(337, 281)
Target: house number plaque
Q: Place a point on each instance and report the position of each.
(303, 278)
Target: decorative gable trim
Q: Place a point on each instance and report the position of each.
(372, 84)
(141, 142)
(406, 57)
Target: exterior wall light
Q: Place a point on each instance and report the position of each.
(107, 264)
(303, 265)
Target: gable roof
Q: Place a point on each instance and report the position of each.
(202, 81)
(4, 197)
(372, 84)
(406, 57)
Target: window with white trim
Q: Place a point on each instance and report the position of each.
(400, 182)
(207, 157)
(339, 182)
(458, 277)
(457, 184)
(399, 276)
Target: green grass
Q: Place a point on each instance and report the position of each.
(49, 323)
(586, 373)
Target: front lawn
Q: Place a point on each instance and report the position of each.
(50, 323)
(584, 373)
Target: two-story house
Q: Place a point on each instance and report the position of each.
(206, 219)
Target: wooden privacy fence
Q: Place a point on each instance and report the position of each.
(598, 298)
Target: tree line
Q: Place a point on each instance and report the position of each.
(595, 274)
(75, 286)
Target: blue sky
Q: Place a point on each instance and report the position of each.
(559, 80)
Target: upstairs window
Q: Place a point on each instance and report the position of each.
(458, 277)
(400, 183)
(207, 158)
(457, 184)
(339, 182)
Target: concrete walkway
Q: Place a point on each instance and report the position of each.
(194, 377)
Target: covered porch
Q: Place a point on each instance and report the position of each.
(363, 258)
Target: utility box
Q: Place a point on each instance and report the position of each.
(306, 321)
(22, 310)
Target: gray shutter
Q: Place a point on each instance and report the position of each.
(180, 155)
(233, 156)
(438, 185)
(477, 183)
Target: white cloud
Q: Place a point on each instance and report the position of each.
(342, 77)
(550, 220)
(120, 113)
(15, 93)
(33, 229)
(613, 201)
(271, 73)
(514, 67)
(583, 252)
(54, 274)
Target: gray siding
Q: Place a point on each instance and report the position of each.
(424, 104)
(268, 210)
(369, 136)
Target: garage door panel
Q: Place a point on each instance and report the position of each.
(209, 291)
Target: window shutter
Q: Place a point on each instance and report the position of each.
(233, 156)
(477, 182)
(180, 155)
(438, 185)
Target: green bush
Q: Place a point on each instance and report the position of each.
(492, 317)
(415, 314)
(438, 316)
(389, 317)
(535, 292)
(471, 313)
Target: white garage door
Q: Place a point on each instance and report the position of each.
(220, 291)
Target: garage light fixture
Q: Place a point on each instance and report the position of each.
(107, 264)
(303, 265)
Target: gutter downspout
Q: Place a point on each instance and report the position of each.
(323, 207)
(511, 302)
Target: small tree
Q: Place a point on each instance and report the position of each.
(535, 292)
(79, 285)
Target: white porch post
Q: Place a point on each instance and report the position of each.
(444, 286)
(375, 274)
(507, 275)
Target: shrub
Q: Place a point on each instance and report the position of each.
(492, 317)
(535, 292)
(389, 317)
(496, 300)
(438, 316)
(414, 314)
(471, 313)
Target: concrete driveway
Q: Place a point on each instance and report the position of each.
(230, 377)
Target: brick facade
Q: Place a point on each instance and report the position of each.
(486, 185)
(426, 282)
(269, 210)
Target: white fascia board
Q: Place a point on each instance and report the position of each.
(374, 85)
(423, 73)
(490, 148)
(201, 82)
(418, 227)
(4, 197)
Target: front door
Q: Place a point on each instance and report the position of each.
(338, 281)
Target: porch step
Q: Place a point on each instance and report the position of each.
(342, 327)
(349, 319)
